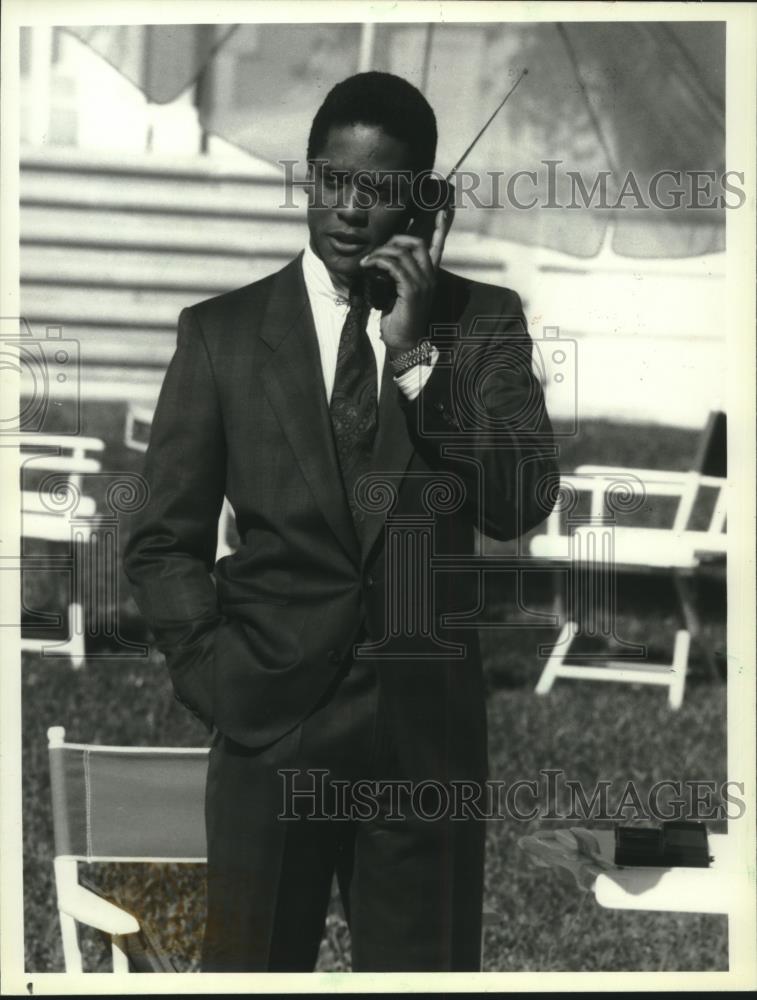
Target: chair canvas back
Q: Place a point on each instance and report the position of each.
(127, 803)
(709, 470)
(137, 429)
(712, 457)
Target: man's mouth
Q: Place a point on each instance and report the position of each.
(348, 245)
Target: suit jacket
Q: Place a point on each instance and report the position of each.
(254, 641)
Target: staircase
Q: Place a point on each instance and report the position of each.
(113, 247)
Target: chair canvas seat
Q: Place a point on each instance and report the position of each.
(589, 854)
(682, 890)
(631, 547)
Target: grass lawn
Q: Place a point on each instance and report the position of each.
(592, 732)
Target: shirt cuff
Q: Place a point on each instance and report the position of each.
(412, 381)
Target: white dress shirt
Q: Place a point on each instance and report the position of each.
(330, 305)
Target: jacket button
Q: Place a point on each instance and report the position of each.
(334, 656)
(369, 581)
(439, 407)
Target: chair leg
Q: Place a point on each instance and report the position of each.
(687, 600)
(120, 959)
(71, 950)
(671, 675)
(680, 663)
(558, 602)
(76, 634)
(556, 657)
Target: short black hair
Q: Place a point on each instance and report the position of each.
(382, 99)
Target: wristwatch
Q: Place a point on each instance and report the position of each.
(421, 354)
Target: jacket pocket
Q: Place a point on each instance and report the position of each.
(192, 670)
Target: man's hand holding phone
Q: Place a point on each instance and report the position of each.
(412, 264)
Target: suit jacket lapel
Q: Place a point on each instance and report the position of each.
(294, 386)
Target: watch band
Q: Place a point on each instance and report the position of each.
(418, 355)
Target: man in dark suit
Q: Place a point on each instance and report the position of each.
(359, 449)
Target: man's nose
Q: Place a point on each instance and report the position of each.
(354, 205)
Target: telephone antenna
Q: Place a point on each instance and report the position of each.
(486, 124)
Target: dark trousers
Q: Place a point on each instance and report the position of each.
(411, 887)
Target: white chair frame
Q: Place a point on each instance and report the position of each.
(70, 455)
(683, 552)
(76, 904)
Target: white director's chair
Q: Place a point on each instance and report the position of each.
(602, 544)
(61, 463)
(119, 804)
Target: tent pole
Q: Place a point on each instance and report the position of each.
(367, 41)
(427, 46)
(40, 84)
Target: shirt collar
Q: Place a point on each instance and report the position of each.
(318, 281)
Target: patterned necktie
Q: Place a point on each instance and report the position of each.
(353, 406)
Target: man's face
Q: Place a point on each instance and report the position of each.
(350, 215)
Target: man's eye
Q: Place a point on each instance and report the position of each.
(376, 192)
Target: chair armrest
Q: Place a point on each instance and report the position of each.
(651, 480)
(59, 463)
(600, 481)
(32, 503)
(656, 475)
(590, 479)
(66, 441)
(618, 470)
(85, 906)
